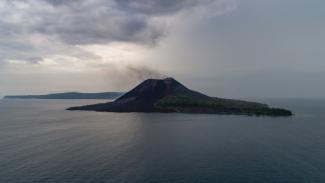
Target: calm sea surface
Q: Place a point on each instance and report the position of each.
(41, 142)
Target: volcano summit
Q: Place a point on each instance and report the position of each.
(168, 95)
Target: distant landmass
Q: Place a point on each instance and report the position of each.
(168, 95)
(70, 95)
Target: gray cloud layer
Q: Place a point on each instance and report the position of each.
(45, 40)
(92, 21)
(83, 22)
(265, 48)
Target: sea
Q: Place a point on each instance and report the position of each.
(42, 142)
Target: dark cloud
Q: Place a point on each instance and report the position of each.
(34, 60)
(62, 2)
(155, 7)
(79, 22)
(100, 30)
(39, 28)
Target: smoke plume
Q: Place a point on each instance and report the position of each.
(141, 73)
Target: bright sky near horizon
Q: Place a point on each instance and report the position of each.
(225, 48)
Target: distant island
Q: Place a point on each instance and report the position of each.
(70, 95)
(168, 95)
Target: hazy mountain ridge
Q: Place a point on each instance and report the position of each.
(69, 95)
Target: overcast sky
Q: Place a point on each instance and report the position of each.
(225, 48)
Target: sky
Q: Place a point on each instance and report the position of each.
(224, 48)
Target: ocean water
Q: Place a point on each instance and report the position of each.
(42, 142)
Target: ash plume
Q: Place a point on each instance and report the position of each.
(141, 73)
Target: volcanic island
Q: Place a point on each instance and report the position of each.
(170, 96)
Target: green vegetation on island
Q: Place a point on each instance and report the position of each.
(186, 104)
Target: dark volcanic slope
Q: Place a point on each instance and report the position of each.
(143, 97)
(168, 95)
